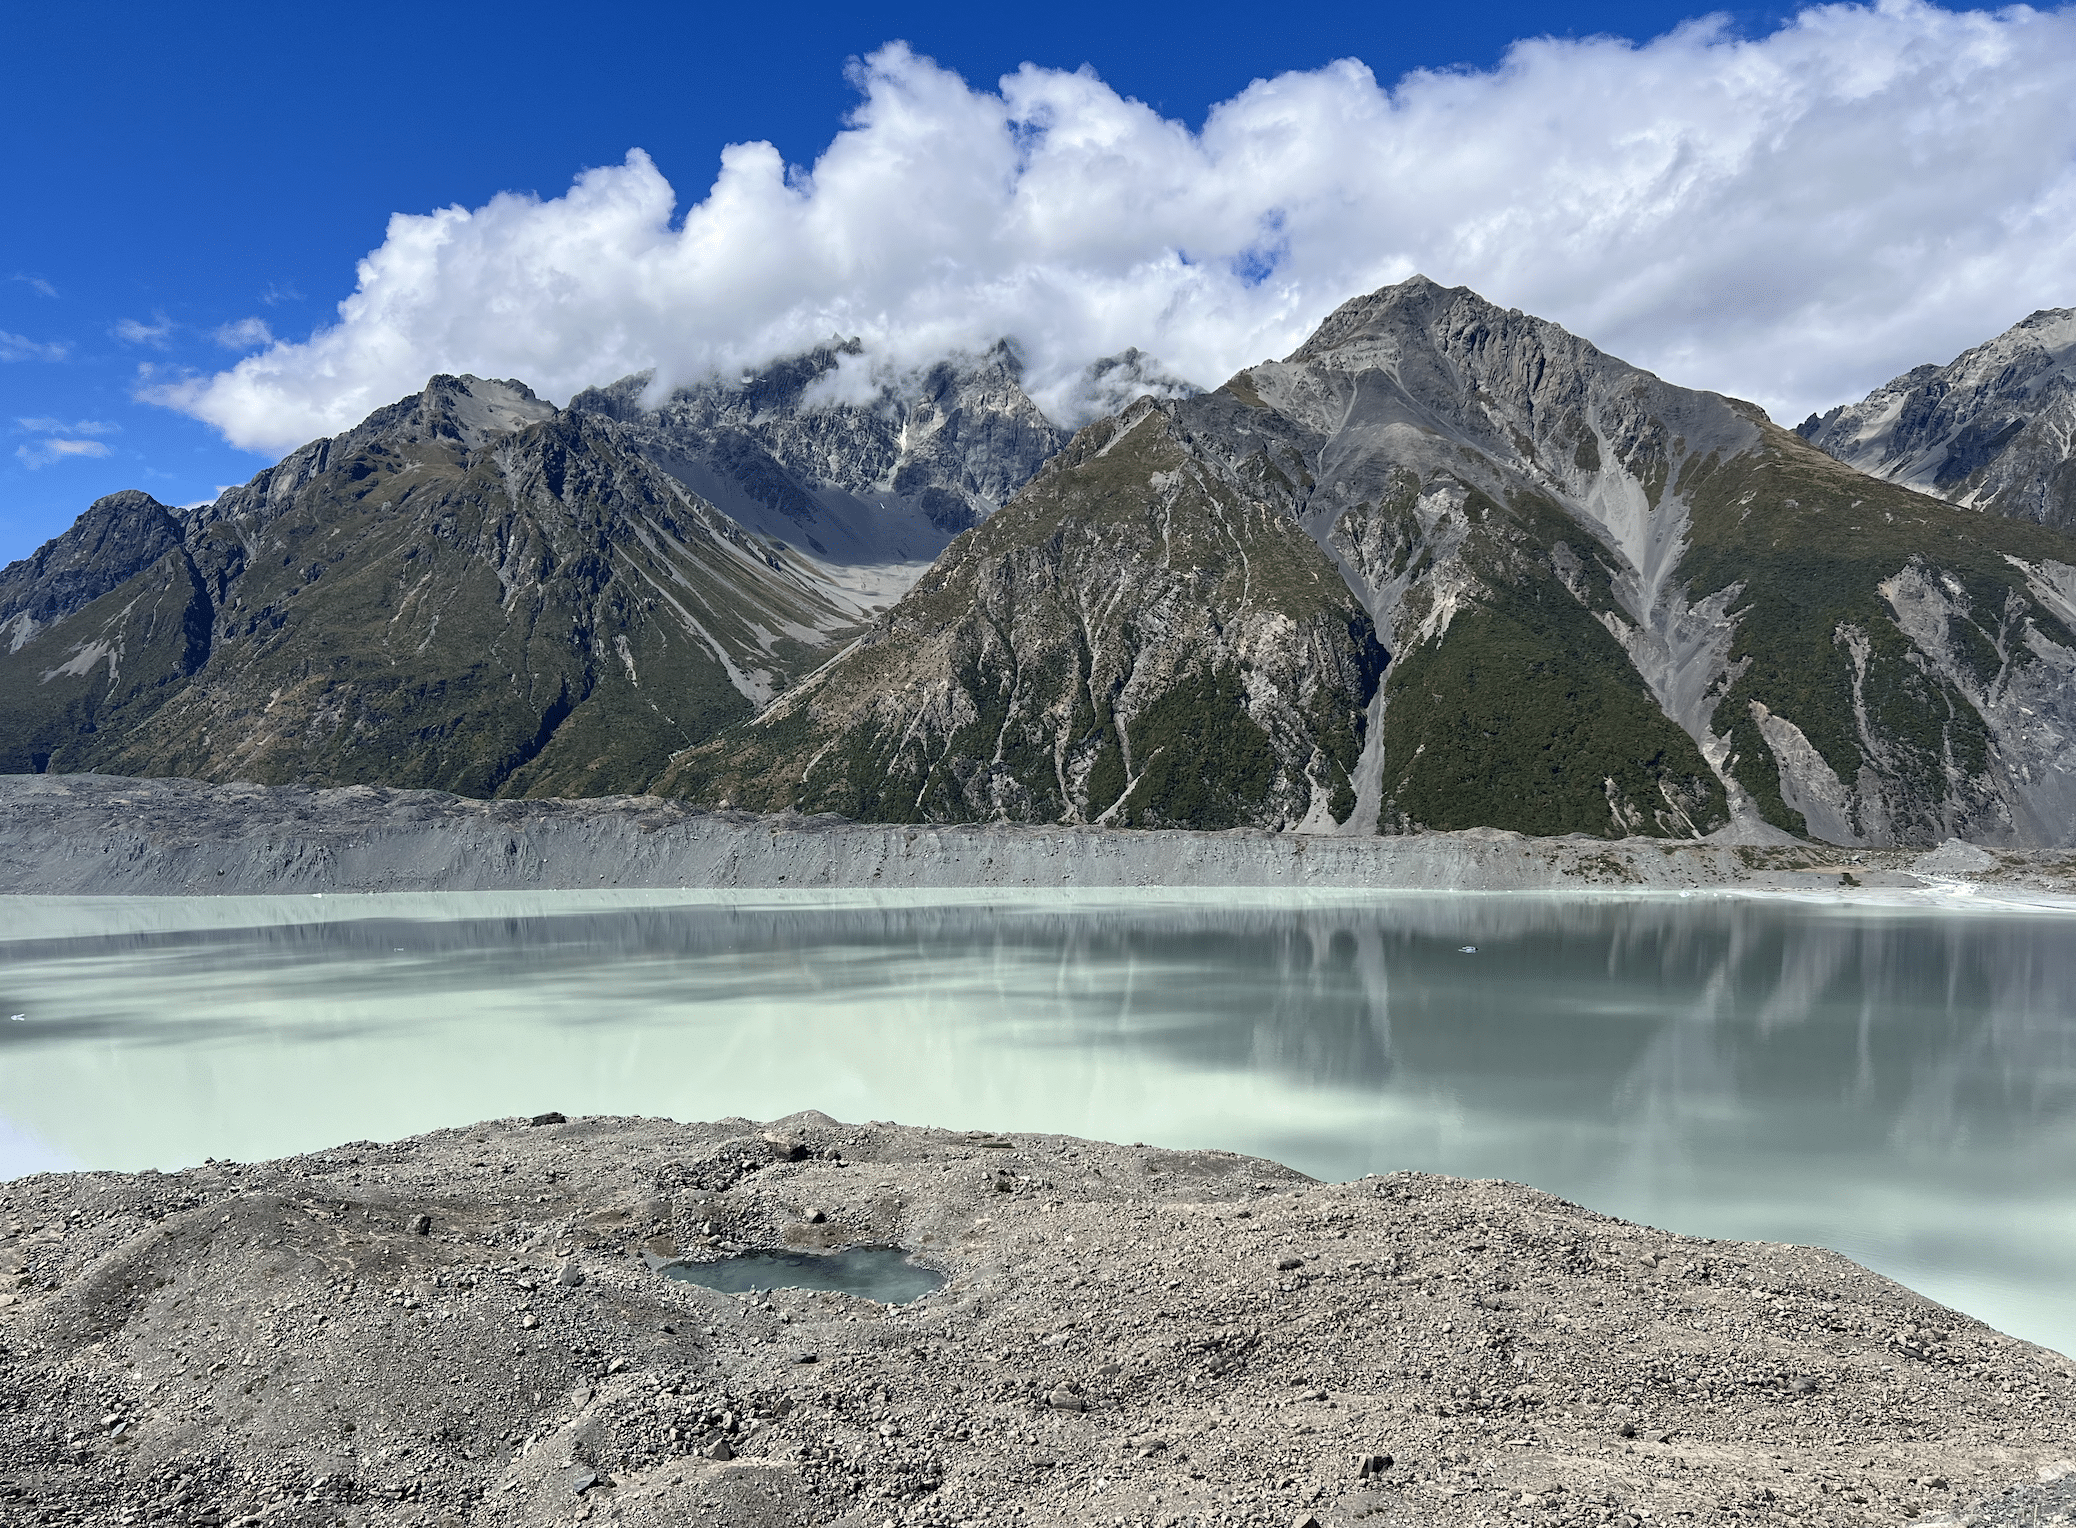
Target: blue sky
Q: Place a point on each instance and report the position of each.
(192, 182)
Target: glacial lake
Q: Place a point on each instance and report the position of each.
(1897, 1083)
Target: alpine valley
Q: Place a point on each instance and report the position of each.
(1446, 566)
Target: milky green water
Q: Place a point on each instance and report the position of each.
(1896, 1084)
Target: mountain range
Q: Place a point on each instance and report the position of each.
(1445, 566)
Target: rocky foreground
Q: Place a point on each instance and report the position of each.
(103, 835)
(467, 1328)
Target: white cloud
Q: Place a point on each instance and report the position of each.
(43, 452)
(1791, 218)
(35, 284)
(19, 347)
(76, 427)
(136, 332)
(245, 334)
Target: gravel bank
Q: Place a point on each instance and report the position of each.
(463, 1328)
(98, 835)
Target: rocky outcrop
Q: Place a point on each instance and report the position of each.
(466, 1327)
(1995, 430)
(856, 466)
(119, 537)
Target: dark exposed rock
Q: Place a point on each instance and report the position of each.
(1995, 430)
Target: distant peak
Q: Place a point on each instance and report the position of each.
(1392, 311)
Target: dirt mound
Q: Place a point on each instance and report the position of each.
(468, 1328)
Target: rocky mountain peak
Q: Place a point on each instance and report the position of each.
(1995, 429)
(861, 464)
(119, 536)
(461, 411)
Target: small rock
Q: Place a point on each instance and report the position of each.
(806, 1358)
(529, 1321)
(1064, 1399)
(421, 1225)
(579, 1478)
(720, 1451)
(1284, 1265)
(616, 1366)
(571, 1275)
(1625, 1429)
(813, 1217)
(552, 1117)
(1305, 1520)
(786, 1148)
(1373, 1464)
(1804, 1386)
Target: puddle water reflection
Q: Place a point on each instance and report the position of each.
(872, 1273)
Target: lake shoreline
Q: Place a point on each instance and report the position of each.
(96, 835)
(468, 1327)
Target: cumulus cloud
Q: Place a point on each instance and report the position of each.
(1792, 218)
(136, 332)
(245, 334)
(19, 347)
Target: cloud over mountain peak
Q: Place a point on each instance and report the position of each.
(1791, 218)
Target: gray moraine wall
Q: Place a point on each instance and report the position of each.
(96, 835)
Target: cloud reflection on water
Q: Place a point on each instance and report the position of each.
(1898, 1084)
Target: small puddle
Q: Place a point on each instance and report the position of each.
(872, 1273)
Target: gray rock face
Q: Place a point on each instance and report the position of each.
(459, 412)
(1422, 407)
(858, 468)
(1995, 430)
(116, 539)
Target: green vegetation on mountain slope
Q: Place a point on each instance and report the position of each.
(1143, 637)
(546, 615)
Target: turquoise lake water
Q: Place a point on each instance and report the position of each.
(1899, 1084)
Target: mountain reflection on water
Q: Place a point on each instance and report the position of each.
(1897, 1084)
